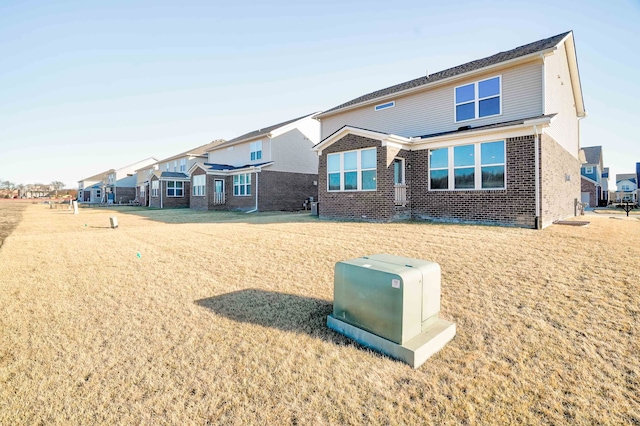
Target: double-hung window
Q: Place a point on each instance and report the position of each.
(175, 188)
(479, 99)
(468, 167)
(256, 150)
(155, 185)
(199, 184)
(352, 170)
(242, 185)
(183, 165)
(142, 191)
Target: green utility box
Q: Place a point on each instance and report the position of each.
(391, 304)
(391, 296)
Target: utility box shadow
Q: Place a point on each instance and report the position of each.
(287, 312)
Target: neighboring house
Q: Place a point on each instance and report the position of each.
(172, 173)
(91, 189)
(627, 187)
(493, 141)
(120, 187)
(269, 169)
(591, 185)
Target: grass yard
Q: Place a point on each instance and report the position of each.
(183, 317)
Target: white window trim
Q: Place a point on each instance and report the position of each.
(588, 169)
(197, 187)
(404, 173)
(183, 165)
(477, 153)
(476, 100)
(245, 184)
(155, 188)
(175, 188)
(385, 105)
(358, 171)
(255, 148)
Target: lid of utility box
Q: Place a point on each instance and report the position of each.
(422, 265)
(376, 265)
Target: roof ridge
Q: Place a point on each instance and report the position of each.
(496, 58)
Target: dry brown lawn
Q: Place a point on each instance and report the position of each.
(183, 317)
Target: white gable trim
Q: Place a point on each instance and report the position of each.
(385, 138)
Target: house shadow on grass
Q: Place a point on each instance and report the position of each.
(287, 312)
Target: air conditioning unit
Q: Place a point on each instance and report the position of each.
(391, 304)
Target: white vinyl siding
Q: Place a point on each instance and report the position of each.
(292, 153)
(558, 99)
(432, 111)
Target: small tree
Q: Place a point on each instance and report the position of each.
(57, 185)
(9, 187)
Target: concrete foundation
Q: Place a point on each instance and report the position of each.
(414, 352)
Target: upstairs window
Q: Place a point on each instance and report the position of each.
(256, 150)
(479, 99)
(352, 170)
(385, 106)
(588, 170)
(183, 165)
(468, 167)
(175, 166)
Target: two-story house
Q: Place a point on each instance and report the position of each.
(592, 189)
(269, 169)
(492, 141)
(627, 187)
(166, 183)
(120, 186)
(91, 189)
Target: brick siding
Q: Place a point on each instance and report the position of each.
(559, 181)
(514, 206)
(590, 187)
(285, 191)
(200, 202)
(170, 202)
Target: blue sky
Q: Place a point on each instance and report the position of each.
(89, 86)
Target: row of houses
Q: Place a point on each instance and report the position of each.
(595, 187)
(492, 141)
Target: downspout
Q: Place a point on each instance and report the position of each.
(256, 208)
(160, 194)
(538, 221)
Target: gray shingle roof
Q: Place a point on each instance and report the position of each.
(227, 167)
(198, 151)
(592, 154)
(178, 175)
(260, 132)
(527, 49)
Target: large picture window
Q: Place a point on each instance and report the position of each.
(199, 184)
(468, 167)
(242, 185)
(352, 170)
(175, 188)
(479, 99)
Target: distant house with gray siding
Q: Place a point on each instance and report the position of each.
(492, 141)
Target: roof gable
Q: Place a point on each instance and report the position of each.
(478, 64)
(593, 154)
(260, 132)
